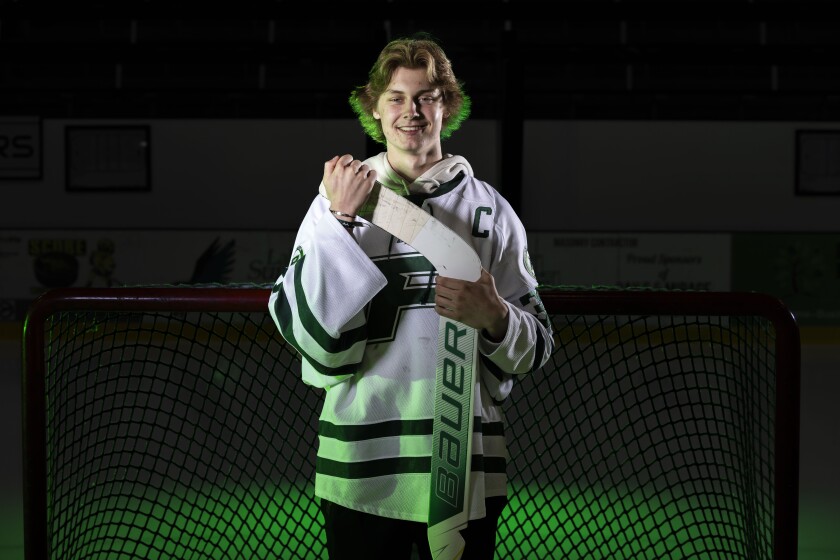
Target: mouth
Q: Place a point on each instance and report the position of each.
(411, 129)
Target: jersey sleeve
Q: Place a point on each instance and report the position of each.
(528, 342)
(318, 302)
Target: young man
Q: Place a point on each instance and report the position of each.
(363, 309)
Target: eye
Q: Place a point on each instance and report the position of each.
(427, 100)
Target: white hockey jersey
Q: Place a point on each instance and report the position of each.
(360, 311)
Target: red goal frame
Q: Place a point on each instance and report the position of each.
(565, 301)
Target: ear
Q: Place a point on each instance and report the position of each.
(376, 115)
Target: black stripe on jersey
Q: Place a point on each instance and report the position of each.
(492, 465)
(393, 428)
(539, 348)
(538, 308)
(379, 467)
(289, 335)
(496, 372)
(400, 465)
(284, 316)
(312, 326)
(493, 368)
(492, 429)
(541, 316)
(357, 432)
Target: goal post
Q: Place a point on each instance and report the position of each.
(166, 421)
(726, 323)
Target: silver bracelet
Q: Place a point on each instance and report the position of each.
(337, 213)
(348, 225)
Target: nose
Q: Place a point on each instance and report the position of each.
(412, 108)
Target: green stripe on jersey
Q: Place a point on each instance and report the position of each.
(307, 319)
(399, 465)
(361, 432)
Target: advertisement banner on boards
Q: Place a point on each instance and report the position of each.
(33, 261)
(683, 261)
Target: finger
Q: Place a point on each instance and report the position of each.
(445, 302)
(450, 283)
(445, 291)
(345, 160)
(330, 165)
(356, 166)
(443, 310)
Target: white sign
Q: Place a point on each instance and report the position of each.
(683, 261)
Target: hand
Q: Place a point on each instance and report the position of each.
(476, 304)
(348, 182)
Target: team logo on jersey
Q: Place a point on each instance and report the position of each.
(411, 285)
(526, 261)
(298, 254)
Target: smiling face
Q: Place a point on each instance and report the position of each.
(411, 111)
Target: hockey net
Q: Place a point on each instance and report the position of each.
(171, 422)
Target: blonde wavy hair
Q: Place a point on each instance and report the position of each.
(420, 50)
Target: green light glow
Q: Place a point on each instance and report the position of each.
(284, 523)
(617, 524)
(262, 523)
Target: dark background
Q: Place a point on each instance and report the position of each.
(683, 60)
(732, 60)
(592, 59)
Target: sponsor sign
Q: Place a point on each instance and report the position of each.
(33, 261)
(649, 260)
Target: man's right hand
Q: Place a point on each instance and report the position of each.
(348, 183)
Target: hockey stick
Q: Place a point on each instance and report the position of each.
(455, 375)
